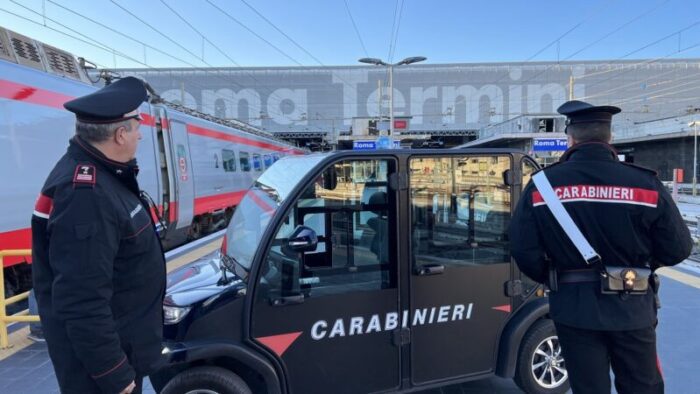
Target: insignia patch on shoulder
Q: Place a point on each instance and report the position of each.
(84, 174)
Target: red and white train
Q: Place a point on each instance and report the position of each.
(194, 167)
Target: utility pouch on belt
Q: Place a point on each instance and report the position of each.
(629, 280)
(614, 280)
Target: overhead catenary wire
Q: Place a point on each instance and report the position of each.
(146, 45)
(645, 47)
(173, 41)
(617, 29)
(354, 25)
(624, 69)
(100, 45)
(228, 15)
(184, 20)
(589, 16)
(274, 26)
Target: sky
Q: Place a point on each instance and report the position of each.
(269, 33)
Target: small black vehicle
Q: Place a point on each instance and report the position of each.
(356, 272)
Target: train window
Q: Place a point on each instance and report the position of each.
(461, 210)
(245, 162)
(257, 163)
(275, 157)
(267, 159)
(228, 159)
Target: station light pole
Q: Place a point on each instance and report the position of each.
(379, 62)
(694, 124)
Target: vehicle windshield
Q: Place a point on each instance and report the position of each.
(258, 206)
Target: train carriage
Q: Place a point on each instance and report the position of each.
(194, 167)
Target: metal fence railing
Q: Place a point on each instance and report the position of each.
(22, 316)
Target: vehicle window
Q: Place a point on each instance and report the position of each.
(528, 168)
(460, 210)
(228, 158)
(267, 159)
(350, 216)
(257, 163)
(275, 157)
(245, 162)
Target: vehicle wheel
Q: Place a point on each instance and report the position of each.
(541, 368)
(206, 380)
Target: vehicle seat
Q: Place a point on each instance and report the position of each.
(380, 225)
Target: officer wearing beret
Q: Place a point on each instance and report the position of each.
(629, 218)
(98, 266)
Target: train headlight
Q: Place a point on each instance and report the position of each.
(174, 314)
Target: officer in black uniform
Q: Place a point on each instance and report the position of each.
(98, 266)
(629, 218)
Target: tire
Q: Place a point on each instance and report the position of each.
(206, 380)
(540, 368)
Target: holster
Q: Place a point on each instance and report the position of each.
(627, 280)
(654, 283)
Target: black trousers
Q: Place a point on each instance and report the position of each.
(589, 354)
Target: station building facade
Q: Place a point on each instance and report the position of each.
(454, 103)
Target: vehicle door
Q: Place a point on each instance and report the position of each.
(460, 209)
(330, 314)
(184, 178)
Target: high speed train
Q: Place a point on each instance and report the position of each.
(194, 167)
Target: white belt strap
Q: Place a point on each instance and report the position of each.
(564, 219)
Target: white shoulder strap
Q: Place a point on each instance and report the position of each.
(567, 224)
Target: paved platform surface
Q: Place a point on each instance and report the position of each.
(29, 370)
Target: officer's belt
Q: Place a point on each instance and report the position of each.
(578, 276)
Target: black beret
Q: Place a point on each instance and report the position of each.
(111, 103)
(582, 112)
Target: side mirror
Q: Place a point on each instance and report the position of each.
(303, 239)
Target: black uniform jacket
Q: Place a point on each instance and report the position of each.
(624, 212)
(99, 273)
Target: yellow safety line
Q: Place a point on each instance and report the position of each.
(687, 279)
(18, 339)
(193, 255)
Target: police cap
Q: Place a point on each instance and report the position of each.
(113, 103)
(582, 112)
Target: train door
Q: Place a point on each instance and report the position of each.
(331, 314)
(460, 209)
(184, 178)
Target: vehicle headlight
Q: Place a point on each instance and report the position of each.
(174, 314)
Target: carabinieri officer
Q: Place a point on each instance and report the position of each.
(98, 266)
(630, 220)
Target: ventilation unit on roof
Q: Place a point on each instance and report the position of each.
(26, 51)
(62, 63)
(5, 52)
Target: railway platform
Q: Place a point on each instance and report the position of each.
(26, 368)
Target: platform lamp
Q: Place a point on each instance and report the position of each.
(379, 62)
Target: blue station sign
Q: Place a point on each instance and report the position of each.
(549, 144)
(380, 143)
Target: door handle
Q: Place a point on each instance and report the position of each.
(288, 300)
(430, 269)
